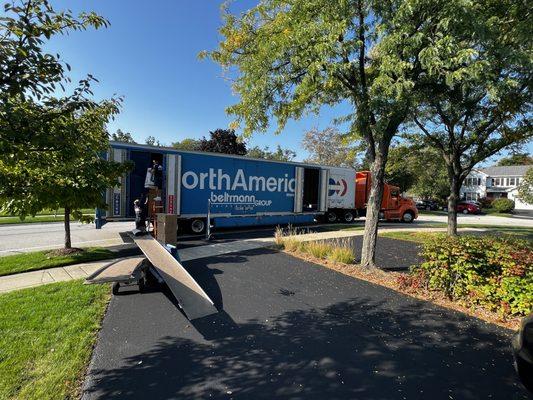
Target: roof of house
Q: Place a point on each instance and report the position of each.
(508, 170)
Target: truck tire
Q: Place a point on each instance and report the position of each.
(348, 217)
(408, 217)
(331, 217)
(197, 225)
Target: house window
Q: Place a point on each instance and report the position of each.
(512, 182)
(470, 196)
(497, 182)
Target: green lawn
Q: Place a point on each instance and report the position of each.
(42, 260)
(29, 220)
(426, 212)
(8, 219)
(47, 338)
(516, 231)
(58, 212)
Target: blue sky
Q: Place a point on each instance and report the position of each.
(149, 56)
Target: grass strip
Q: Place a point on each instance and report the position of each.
(47, 338)
(32, 220)
(47, 259)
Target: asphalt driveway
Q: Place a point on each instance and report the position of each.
(290, 329)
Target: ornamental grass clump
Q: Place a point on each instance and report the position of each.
(344, 255)
(496, 273)
(319, 249)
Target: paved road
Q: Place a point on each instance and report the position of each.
(289, 329)
(29, 237)
(22, 238)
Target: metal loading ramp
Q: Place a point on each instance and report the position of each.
(194, 302)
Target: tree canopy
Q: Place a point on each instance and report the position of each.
(525, 189)
(280, 154)
(329, 147)
(516, 159)
(475, 97)
(50, 146)
(223, 141)
(187, 144)
(121, 136)
(295, 56)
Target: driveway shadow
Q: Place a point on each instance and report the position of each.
(335, 352)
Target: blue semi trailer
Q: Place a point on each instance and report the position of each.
(234, 190)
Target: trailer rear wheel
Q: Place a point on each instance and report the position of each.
(408, 217)
(331, 217)
(348, 217)
(198, 226)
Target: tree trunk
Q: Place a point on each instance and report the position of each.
(368, 252)
(455, 185)
(68, 243)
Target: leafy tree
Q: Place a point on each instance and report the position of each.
(419, 170)
(525, 189)
(28, 72)
(516, 159)
(399, 170)
(120, 136)
(328, 147)
(292, 57)
(48, 147)
(431, 180)
(152, 141)
(187, 144)
(280, 154)
(223, 141)
(476, 97)
(73, 176)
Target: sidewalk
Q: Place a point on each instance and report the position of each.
(80, 271)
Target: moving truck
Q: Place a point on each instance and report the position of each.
(348, 196)
(236, 190)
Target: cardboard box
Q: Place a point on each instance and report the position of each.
(167, 228)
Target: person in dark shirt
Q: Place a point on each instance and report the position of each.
(140, 214)
(157, 173)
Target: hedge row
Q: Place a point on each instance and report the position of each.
(496, 273)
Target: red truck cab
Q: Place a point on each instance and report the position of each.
(393, 205)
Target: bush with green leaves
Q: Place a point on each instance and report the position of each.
(496, 273)
(503, 205)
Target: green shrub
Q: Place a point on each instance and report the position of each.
(503, 205)
(343, 255)
(486, 202)
(496, 273)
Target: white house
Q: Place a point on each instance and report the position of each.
(495, 182)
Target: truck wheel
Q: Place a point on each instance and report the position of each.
(331, 217)
(197, 226)
(348, 217)
(408, 217)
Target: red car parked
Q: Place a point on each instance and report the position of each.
(467, 208)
